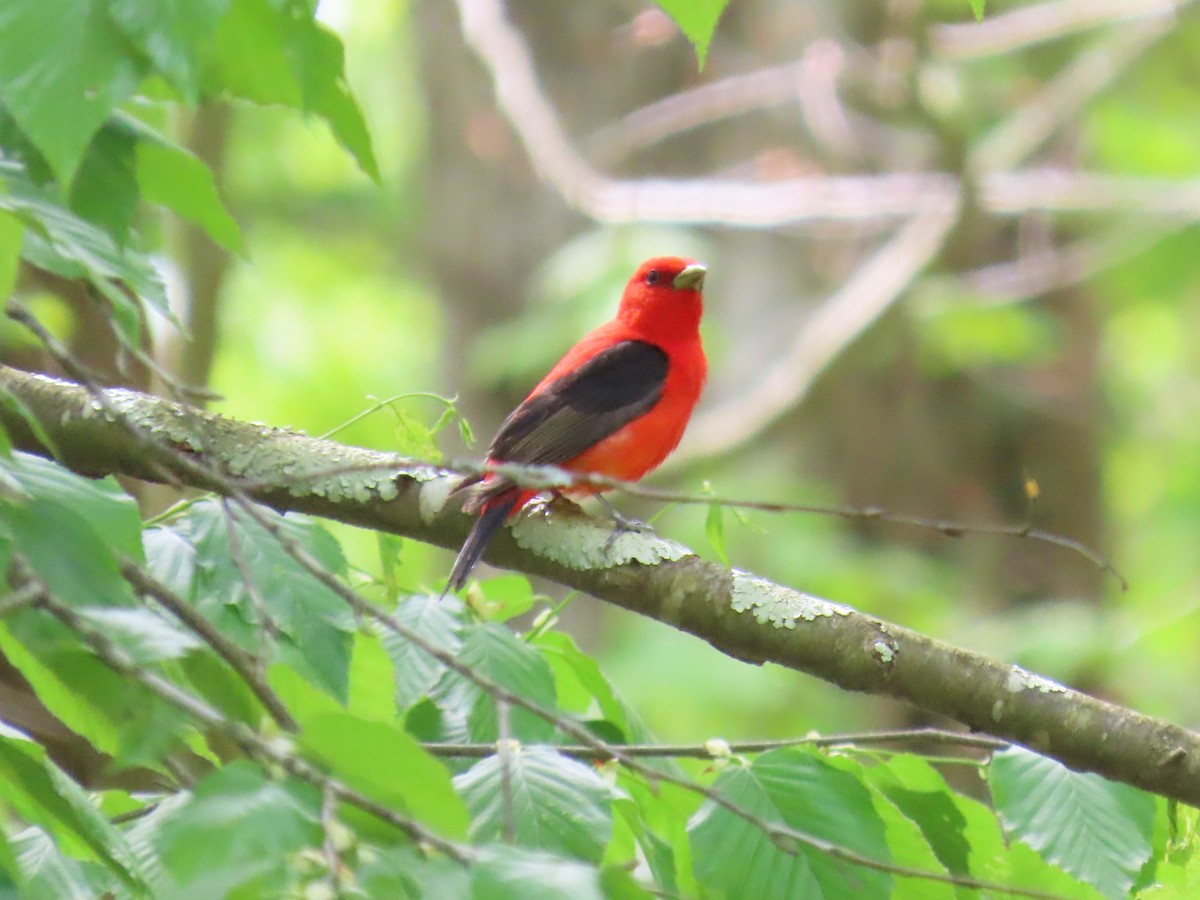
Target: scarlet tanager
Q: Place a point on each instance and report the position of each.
(615, 405)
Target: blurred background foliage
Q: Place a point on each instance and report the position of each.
(463, 273)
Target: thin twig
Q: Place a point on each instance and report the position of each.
(24, 596)
(787, 839)
(504, 750)
(554, 479)
(706, 750)
(234, 656)
(267, 626)
(333, 859)
(1060, 100)
(840, 320)
(1029, 25)
(253, 744)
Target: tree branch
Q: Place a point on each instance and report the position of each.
(744, 616)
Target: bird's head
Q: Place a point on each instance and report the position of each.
(663, 298)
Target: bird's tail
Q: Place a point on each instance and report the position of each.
(485, 527)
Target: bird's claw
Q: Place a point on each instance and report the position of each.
(623, 525)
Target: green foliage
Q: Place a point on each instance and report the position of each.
(77, 166)
(1096, 830)
(798, 790)
(365, 702)
(697, 19)
(550, 803)
(85, 88)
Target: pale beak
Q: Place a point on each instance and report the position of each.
(691, 278)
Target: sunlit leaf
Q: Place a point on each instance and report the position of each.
(238, 828)
(1096, 829)
(63, 67)
(170, 33)
(697, 19)
(554, 803)
(797, 789)
(173, 177)
(416, 671)
(492, 651)
(266, 57)
(386, 764)
(243, 573)
(514, 873)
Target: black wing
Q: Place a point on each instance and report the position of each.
(582, 408)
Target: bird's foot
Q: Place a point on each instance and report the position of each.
(621, 525)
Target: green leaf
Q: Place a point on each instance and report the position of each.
(578, 676)
(697, 19)
(922, 795)
(512, 873)
(238, 829)
(505, 597)
(977, 7)
(59, 241)
(491, 651)
(55, 686)
(714, 529)
(170, 558)
(45, 873)
(64, 66)
(173, 177)
(105, 189)
(908, 847)
(386, 764)
(657, 852)
(170, 33)
(312, 627)
(100, 502)
(1093, 828)
(248, 58)
(416, 671)
(144, 635)
(268, 56)
(318, 60)
(798, 789)
(11, 231)
(44, 796)
(557, 804)
(67, 553)
(407, 874)
(372, 676)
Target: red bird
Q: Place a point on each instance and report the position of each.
(615, 405)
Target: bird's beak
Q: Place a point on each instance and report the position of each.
(691, 278)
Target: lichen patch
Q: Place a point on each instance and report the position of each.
(776, 605)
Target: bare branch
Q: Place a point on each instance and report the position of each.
(234, 656)
(503, 51)
(873, 288)
(252, 743)
(1042, 22)
(739, 614)
(1036, 120)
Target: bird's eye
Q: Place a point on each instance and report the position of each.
(653, 276)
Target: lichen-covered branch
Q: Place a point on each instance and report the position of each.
(738, 613)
